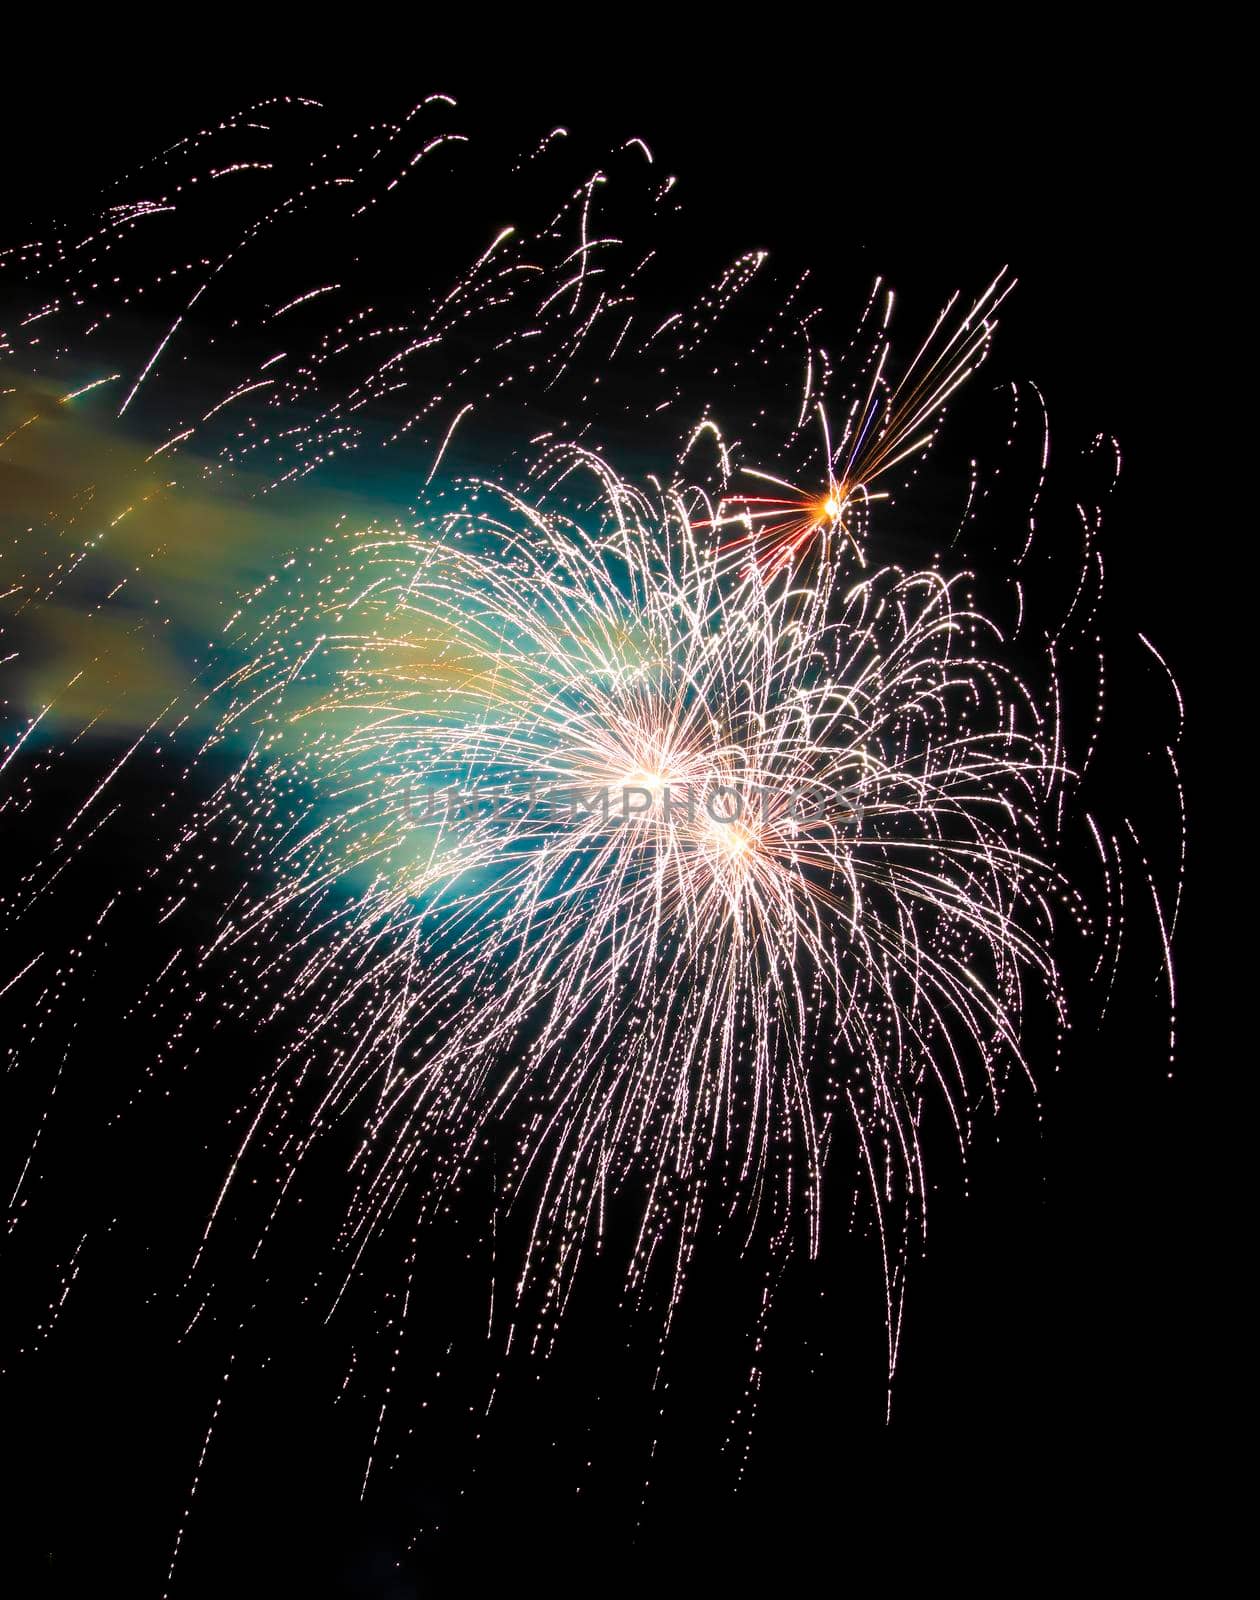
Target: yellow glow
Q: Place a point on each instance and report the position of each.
(652, 778)
(732, 838)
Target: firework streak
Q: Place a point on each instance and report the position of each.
(522, 533)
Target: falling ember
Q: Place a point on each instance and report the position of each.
(561, 815)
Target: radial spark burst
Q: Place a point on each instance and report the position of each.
(549, 804)
(593, 823)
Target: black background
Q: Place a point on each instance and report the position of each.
(1054, 1375)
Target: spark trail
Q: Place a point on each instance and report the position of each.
(551, 806)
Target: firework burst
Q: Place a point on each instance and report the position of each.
(653, 845)
(591, 828)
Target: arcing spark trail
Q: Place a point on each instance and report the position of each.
(331, 522)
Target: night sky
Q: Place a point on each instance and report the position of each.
(1047, 1398)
